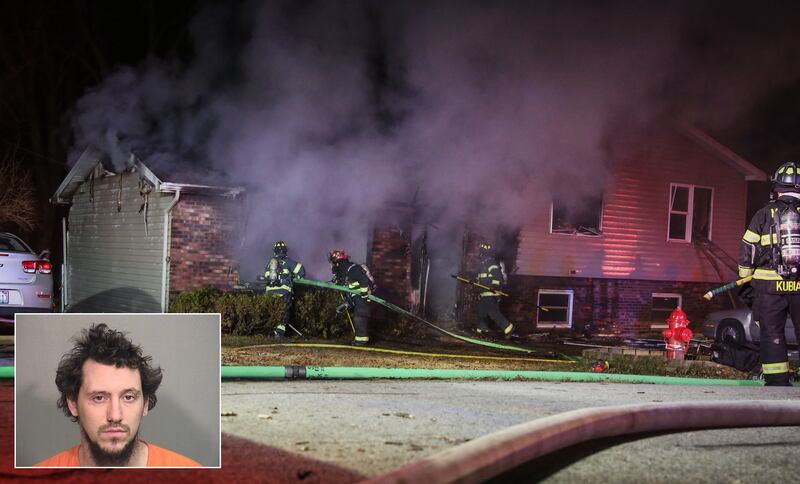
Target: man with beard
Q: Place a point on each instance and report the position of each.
(107, 386)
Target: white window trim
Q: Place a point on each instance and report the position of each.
(571, 295)
(690, 214)
(663, 324)
(578, 234)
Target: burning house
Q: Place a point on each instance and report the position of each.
(134, 235)
(666, 228)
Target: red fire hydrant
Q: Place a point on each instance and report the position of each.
(677, 336)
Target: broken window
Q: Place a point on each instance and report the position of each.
(558, 303)
(576, 217)
(662, 305)
(689, 212)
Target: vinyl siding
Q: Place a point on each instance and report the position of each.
(114, 264)
(635, 218)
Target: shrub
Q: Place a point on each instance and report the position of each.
(197, 301)
(245, 314)
(314, 311)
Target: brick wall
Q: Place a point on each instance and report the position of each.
(204, 234)
(622, 304)
(390, 257)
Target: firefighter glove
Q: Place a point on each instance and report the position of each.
(747, 294)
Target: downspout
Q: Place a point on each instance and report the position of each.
(64, 266)
(167, 232)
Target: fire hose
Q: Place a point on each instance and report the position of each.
(726, 287)
(291, 372)
(375, 349)
(414, 317)
(519, 448)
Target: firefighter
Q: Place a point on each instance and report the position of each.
(770, 252)
(492, 274)
(356, 277)
(280, 273)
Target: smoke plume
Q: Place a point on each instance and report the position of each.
(473, 111)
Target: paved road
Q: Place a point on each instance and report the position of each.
(374, 426)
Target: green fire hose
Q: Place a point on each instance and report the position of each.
(356, 373)
(410, 315)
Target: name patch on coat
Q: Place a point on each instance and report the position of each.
(787, 286)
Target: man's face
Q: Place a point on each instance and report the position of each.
(109, 407)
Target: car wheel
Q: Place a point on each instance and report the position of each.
(731, 331)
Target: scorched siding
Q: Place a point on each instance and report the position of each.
(114, 263)
(635, 218)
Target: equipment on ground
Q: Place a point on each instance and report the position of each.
(600, 366)
(743, 357)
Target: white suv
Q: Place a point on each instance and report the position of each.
(26, 279)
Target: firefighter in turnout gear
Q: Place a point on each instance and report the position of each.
(770, 252)
(491, 274)
(280, 273)
(355, 277)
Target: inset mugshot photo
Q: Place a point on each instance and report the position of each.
(117, 390)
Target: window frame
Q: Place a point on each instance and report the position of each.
(577, 232)
(688, 235)
(570, 305)
(663, 324)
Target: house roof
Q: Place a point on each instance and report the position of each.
(91, 158)
(750, 172)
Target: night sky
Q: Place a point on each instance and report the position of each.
(350, 105)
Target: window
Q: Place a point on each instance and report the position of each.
(662, 305)
(558, 303)
(689, 212)
(576, 217)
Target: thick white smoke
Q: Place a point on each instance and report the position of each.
(327, 111)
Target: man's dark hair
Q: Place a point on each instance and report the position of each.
(108, 347)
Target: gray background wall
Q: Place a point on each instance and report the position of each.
(186, 418)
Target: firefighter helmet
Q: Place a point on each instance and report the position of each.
(337, 255)
(485, 249)
(280, 249)
(787, 176)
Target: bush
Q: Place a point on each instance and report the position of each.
(198, 301)
(313, 314)
(245, 314)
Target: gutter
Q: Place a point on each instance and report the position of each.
(169, 187)
(165, 270)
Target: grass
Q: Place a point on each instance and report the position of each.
(619, 364)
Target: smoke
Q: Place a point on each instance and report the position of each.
(478, 111)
